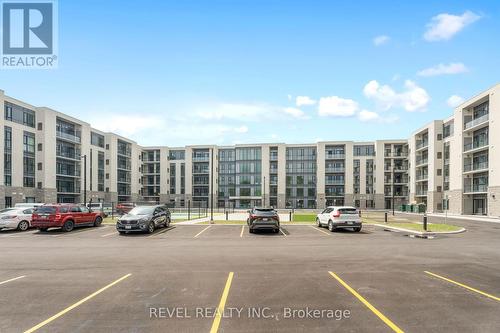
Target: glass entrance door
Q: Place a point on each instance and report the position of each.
(479, 206)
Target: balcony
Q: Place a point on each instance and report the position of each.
(422, 144)
(68, 136)
(126, 167)
(67, 173)
(73, 155)
(334, 182)
(396, 154)
(420, 177)
(335, 194)
(400, 168)
(396, 193)
(125, 180)
(421, 192)
(421, 161)
(273, 170)
(334, 156)
(335, 170)
(476, 122)
(476, 188)
(481, 166)
(475, 145)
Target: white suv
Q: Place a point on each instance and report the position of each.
(339, 217)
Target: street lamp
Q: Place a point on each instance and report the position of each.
(212, 186)
(264, 193)
(84, 179)
(393, 178)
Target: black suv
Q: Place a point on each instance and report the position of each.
(144, 219)
(263, 219)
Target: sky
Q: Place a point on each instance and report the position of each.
(177, 73)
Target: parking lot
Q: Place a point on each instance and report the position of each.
(95, 280)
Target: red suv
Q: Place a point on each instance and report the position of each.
(64, 216)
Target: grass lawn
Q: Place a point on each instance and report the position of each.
(304, 217)
(438, 227)
(224, 222)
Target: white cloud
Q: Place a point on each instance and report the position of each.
(454, 101)
(241, 129)
(295, 113)
(444, 69)
(445, 26)
(304, 100)
(414, 98)
(381, 40)
(366, 115)
(127, 125)
(337, 107)
(247, 112)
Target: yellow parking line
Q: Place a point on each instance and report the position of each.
(196, 236)
(13, 279)
(464, 286)
(386, 320)
(222, 304)
(57, 315)
(315, 228)
(242, 229)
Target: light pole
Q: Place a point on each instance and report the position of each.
(84, 179)
(393, 179)
(212, 186)
(264, 193)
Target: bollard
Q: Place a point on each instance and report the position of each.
(227, 215)
(189, 210)
(385, 217)
(425, 221)
(290, 216)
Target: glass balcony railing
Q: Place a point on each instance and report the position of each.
(422, 144)
(68, 136)
(75, 155)
(475, 166)
(334, 182)
(475, 144)
(334, 156)
(421, 192)
(477, 121)
(476, 188)
(335, 170)
(421, 161)
(422, 176)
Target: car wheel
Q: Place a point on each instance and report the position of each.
(318, 223)
(98, 221)
(151, 227)
(330, 226)
(167, 222)
(43, 229)
(23, 226)
(358, 229)
(68, 226)
(276, 231)
(250, 230)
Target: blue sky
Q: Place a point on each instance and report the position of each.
(224, 72)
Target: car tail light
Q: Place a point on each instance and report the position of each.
(336, 214)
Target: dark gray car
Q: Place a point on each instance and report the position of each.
(144, 219)
(263, 219)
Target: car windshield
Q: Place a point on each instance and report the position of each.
(46, 210)
(142, 211)
(264, 209)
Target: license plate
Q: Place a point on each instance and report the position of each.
(350, 222)
(265, 219)
(128, 227)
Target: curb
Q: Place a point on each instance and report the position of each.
(422, 233)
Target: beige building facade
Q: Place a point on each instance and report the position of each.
(447, 164)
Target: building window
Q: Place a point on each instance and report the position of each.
(97, 139)
(439, 172)
(440, 137)
(39, 166)
(439, 155)
(39, 185)
(40, 126)
(40, 147)
(8, 202)
(19, 114)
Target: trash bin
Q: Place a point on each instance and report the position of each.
(421, 208)
(403, 208)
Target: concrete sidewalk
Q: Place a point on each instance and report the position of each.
(458, 217)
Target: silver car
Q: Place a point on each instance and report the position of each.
(339, 217)
(16, 218)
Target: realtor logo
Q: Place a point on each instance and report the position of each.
(29, 38)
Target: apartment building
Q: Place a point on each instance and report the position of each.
(446, 164)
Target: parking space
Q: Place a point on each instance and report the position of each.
(179, 276)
